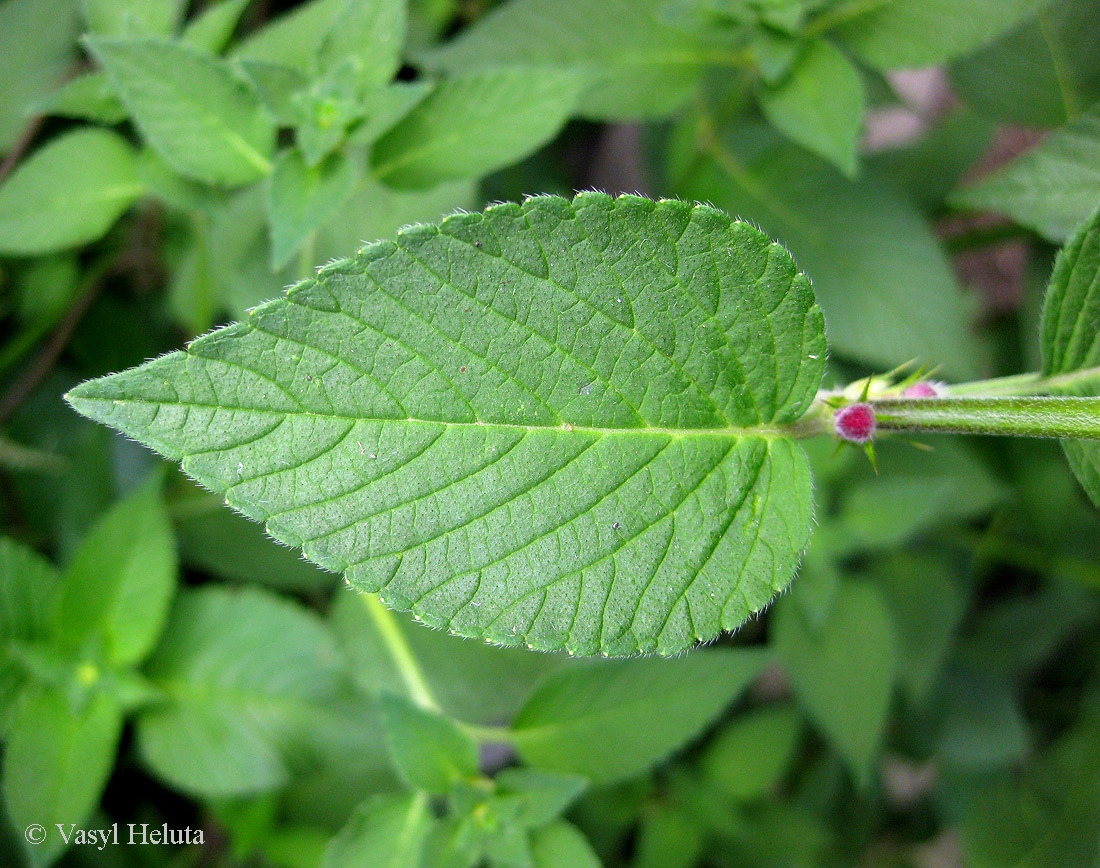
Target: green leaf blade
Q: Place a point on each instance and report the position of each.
(476, 123)
(1069, 326)
(895, 34)
(610, 479)
(193, 112)
(244, 673)
(430, 750)
(1051, 188)
(611, 721)
(68, 193)
(57, 760)
(820, 105)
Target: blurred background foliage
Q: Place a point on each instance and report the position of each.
(928, 692)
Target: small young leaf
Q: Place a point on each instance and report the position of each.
(373, 36)
(536, 797)
(116, 590)
(562, 846)
(473, 124)
(132, 17)
(429, 749)
(67, 193)
(88, 97)
(293, 39)
(384, 832)
(895, 34)
(190, 108)
(301, 199)
(212, 29)
(28, 584)
(276, 86)
(1052, 188)
(557, 424)
(58, 758)
(244, 673)
(843, 671)
(609, 721)
(1070, 316)
(819, 104)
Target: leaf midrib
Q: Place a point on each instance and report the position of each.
(769, 432)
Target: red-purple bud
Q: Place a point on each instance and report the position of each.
(926, 389)
(855, 423)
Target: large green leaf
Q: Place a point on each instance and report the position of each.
(192, 111)
(245, 675)
(557, 424)
(67, 193)
(609, 721)
(892, 34)
(474, 124)
(1070, 315)
(1053, 187)
(638, 64)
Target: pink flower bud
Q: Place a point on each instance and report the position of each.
(926, 389)
(855, 423)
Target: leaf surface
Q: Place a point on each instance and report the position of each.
(843, 671)
(429, 749)
(28, 583)
(1071, 321)
(116, 590)
(244, 673)
(895, 34)
(639, 64)
(473, 124)
(819, 104)
(609, 721)
(556, 424)
(67, 193)
(58, 757)
(192, 111)
(1053, 187)
(384, 832)
(880, 275)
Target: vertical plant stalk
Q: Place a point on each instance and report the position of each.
(401, 653)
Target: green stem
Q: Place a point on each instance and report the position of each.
(1026, 384)
(401, 653)
(1076, 418)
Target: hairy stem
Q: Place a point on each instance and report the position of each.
(1076, 418)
